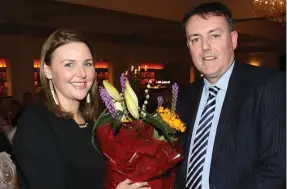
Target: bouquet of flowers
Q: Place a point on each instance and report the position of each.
(138, 145)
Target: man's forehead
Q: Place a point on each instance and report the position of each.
(197, 23)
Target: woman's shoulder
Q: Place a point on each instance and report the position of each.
(35, 111)
(35, 122)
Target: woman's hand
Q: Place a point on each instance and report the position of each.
(127, 184)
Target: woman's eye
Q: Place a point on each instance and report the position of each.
(69, 65)
(89, 64)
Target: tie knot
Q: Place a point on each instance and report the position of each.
(213, 90)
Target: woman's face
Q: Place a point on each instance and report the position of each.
(72, 71)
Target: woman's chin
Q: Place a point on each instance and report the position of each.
(80, 97)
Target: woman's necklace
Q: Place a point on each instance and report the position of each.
(84, 125)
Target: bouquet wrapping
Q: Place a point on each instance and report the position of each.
(133, 153)
(138, 145)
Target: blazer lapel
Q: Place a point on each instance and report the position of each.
(230, 103)
(190, 114)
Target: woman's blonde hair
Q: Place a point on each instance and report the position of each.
(56, 39)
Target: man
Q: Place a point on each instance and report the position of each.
(236, 114)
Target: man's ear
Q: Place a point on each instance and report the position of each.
(47, 71)
(234, 37)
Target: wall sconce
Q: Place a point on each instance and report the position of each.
(3, 77)
(254, 63)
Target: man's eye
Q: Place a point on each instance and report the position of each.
(215, 36)
(194, 40)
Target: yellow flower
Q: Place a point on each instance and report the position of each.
(160, 109)
(171, 118)
(126, 120)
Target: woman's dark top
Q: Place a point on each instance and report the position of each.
(55, 153)
(4, 143)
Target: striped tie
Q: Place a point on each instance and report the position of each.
(197, 155)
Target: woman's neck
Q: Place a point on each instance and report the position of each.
(72, 106)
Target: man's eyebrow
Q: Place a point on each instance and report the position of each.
(197, 34)
(215, 29)
(193, 35)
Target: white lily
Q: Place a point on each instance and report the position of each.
(119, 107)
(131, 92)
(112, 91)
(131, 101)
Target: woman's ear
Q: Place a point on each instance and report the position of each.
(47, 71)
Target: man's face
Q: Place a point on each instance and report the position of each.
(211, 45)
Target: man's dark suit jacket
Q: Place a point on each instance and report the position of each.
(250, 146)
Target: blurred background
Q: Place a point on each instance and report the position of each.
(143, 39)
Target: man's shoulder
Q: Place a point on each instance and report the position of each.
(258, 75)
(189, 88)
(258, 70)
(192, 86)
(189, 91)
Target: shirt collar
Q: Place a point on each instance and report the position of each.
(222, 83)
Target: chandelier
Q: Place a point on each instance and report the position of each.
(274, 10)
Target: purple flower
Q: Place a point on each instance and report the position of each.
(123, 79)
(107, 99)
(159, 101)
(174, 97)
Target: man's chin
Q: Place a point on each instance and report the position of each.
(211, 77)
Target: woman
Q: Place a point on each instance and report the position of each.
(52, 145)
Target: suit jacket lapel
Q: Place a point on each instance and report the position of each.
(190, 114)
(230, 104)
(193, 107)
